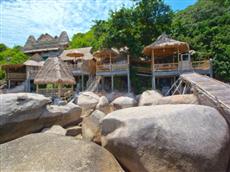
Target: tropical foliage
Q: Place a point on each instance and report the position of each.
(206, 27)
(10, 56)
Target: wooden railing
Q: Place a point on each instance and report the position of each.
(16, 76)
(112, 67)
(165, 67)
(65, 92)
(202, 65)
(79, 67)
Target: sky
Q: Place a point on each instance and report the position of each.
(21, 18)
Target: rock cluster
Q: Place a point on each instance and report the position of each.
(145, 134)
(24, 113)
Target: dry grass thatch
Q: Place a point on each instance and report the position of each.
(106, 53)
(36, 57)
(165, 46)
(80, 53)
(12, 66)
(34, 63)
(54, 71)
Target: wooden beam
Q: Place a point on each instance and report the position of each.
(59, 89)
(37, 87)
(112, 83)
(153, 69)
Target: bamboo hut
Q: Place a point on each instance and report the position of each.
(82, 64)
(111, 63)
(32, 68)
(170, 58)
(54, 79)
(15, 74)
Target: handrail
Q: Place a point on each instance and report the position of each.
(112, 67)
(203, 65)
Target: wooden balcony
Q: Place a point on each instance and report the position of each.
(196, 65)
(112, 67)
(81, 68)
(16, 76)
(202, 65)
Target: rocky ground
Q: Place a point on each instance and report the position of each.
(144, 133)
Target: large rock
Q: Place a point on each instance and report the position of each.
(50, 152)
(179, 99)
(123, 102)
(88, 100)
(149, 97)
(103, 105)
(168, 138)
(55, 129)
(73, 131)
(24, 113)
(91, 126)
(62, 115)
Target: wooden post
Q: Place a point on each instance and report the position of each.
(210, 68)
(59, 89)
(153, 72)
(110, 62)
(37, 87)
(82, 82)
(8, 84)
(112, 83)
(128, 76)
(103, 83)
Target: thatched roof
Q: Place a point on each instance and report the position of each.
(12, 66)
(63, 38)
(54, 71)
(36, 57)
(165, 46)
(34, 63)
(106, 53)
(68, 54)
(45, 42)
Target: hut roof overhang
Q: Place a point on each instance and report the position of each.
(79, 53)
(12, 66)
(106, 53)
(34, 63)
(54, 71)
(165, 46)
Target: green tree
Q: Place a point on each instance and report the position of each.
(11, 56)
(134, 27)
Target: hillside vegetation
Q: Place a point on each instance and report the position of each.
(206, 27)
(10, 56)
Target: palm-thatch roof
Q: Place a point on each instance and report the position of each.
(34, 63)
(45, 42)
(54, 71)
(106, 53)
(81, 53)
(165, 46)
(36, 57)
(12, 66)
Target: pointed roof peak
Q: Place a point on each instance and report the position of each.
(63, 38)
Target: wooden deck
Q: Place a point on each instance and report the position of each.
(216, 92)
(112, 67)
(16, 76)
(167, 67)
